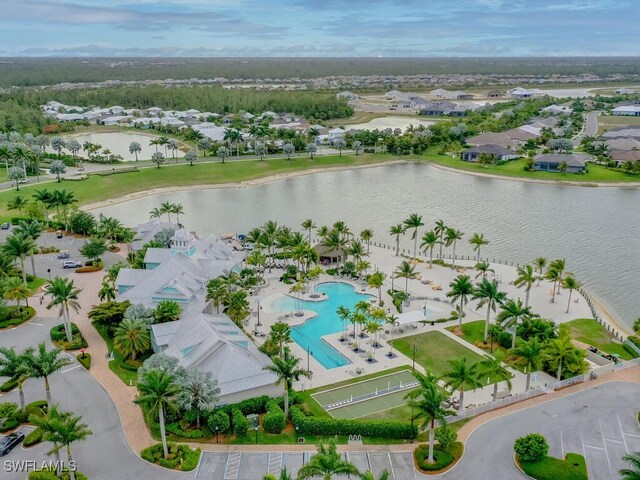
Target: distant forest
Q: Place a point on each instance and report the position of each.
(48, 71)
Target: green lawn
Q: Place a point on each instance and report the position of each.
(589, 331)
(127, 376)
(434, 350)
(573, 467)
(35, 284)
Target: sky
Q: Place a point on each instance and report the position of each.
(319, 28)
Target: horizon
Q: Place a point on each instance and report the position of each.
(308, 29)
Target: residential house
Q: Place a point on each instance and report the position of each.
(523, 93)
(347, 95)
(145, 232)
(627, 110)
(625, 91)
(335, 134)
(493, 138)
(550, 162)
(623, 143)
(558, 109)
(395, 95)
(499, 152)
(622, 156)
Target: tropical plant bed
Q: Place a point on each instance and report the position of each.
(11, 417)
(573, 467)
(46, 474)
(85, 360)
(444, 458)
(587, 330)
(59, 337)
(180, 457)
(128, 374)
(13, 315)
(89, 269)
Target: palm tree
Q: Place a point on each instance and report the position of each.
(107, 292)
(326, 464)
(199, 391)
(397, 230)
(571, 284)
(222, 152)
(178, 209)
(414, 221)
(132, 337)
(14, 289)
(511, 313)
(461, 290)
(43, 364)
(531, 352)
(483, 268)
(281, 334)
(539, 264)
(135, 148)
(63, 429)
(46, 198)
(284, 475)
(376, 280)
(19, 246)
(406, 271)
(526, 278)
(64, 293)
(308, 225)
(559, 265)
(157, 158)
(451, 236)
(14, 366)
(478, 241)
(491, 367)
(32, 230)
(18, 203)
(155, 142)
(488, 294)
(391, 320)
(286, 369)
(47, 425)
(440, 230)
(426, 403)
(554, 276)
(217, 290)
(366, 235)
(633, 473)
(345, 314)
(429, 240)
(167, 207)
(368, 475)
(157, 390)
(558, 351)
(335, 243)
(462, 376)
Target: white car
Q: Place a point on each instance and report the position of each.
(71, 264)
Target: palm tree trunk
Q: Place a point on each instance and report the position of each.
(67, 323)
(553, 298)
(415, 243)
(560, 370)
(397, 245)
(432, 432)
(47, 389)
(495, 391)
(526, 298)
(460, 314)
(24, 273)
(33, 265)
(163, 435)
(528, 385)
(58, 459)
(461, 399)
(453, 259)
(440, 255)
(486, 325)
(569, 302)
(431, 258)
(286, 399)
(513, 335)
(21, 393)
(406, 285)
(72, 473)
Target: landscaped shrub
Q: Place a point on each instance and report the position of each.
(274, 420)
(177, 430)
(59, 337)
(33, 438)
(531, 448)
(179, 455)
(446, 436)
(219, 419)
(441, 459)
(57, 333)
(47, 474)
(85, 360)
(310, 425)
(8, 385)
(13, 315)
(7, 409)
(240, 423)
(9, 424)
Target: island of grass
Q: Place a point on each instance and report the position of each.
(12, 316)
(443, 457)
(573, 467)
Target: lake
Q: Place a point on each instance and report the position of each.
(595, 229)
(118, 143)
(382, 123)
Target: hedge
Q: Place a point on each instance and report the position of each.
(12, 316)
(219, 419)
(85, 360)
(191, 434)
(89, 269)
(274, 420)
(240, 423)
(179, 455)
(531, 448)
(8, 385)
(46, 474)
(33, 438)
(258, 405)
(9, 424)
(443, 457)
(59, 337)
(309, 425)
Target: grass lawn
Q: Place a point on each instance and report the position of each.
(289, 437)
(129, 377)
(606, 122)
(434, 350)
(36, 283)
(573, 467)
(589, 331)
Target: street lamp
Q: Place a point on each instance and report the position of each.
(413, 367)
(258, 324)
(256, 429)
(217, 428)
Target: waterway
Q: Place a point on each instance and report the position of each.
(595, 229)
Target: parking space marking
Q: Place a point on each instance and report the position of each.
(233, 466)
(71, 368)
(605, 448)
(581, 439)
(274, 464)
(626, 447)
(561, 444)
(393, 473)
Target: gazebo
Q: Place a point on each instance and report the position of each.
(327, 255)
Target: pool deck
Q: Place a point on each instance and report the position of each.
(433, 295)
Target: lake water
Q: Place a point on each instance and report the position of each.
(389, 122)
(118, 143)
(595, 229)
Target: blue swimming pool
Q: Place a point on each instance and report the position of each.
(308, 335)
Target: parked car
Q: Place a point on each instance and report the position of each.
(71, 264)
(23, 181)
(6, 226)
(9, 442)
(63, 255)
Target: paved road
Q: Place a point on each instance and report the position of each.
(599, 423)
(590, 128)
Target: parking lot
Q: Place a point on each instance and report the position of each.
(254, 465)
